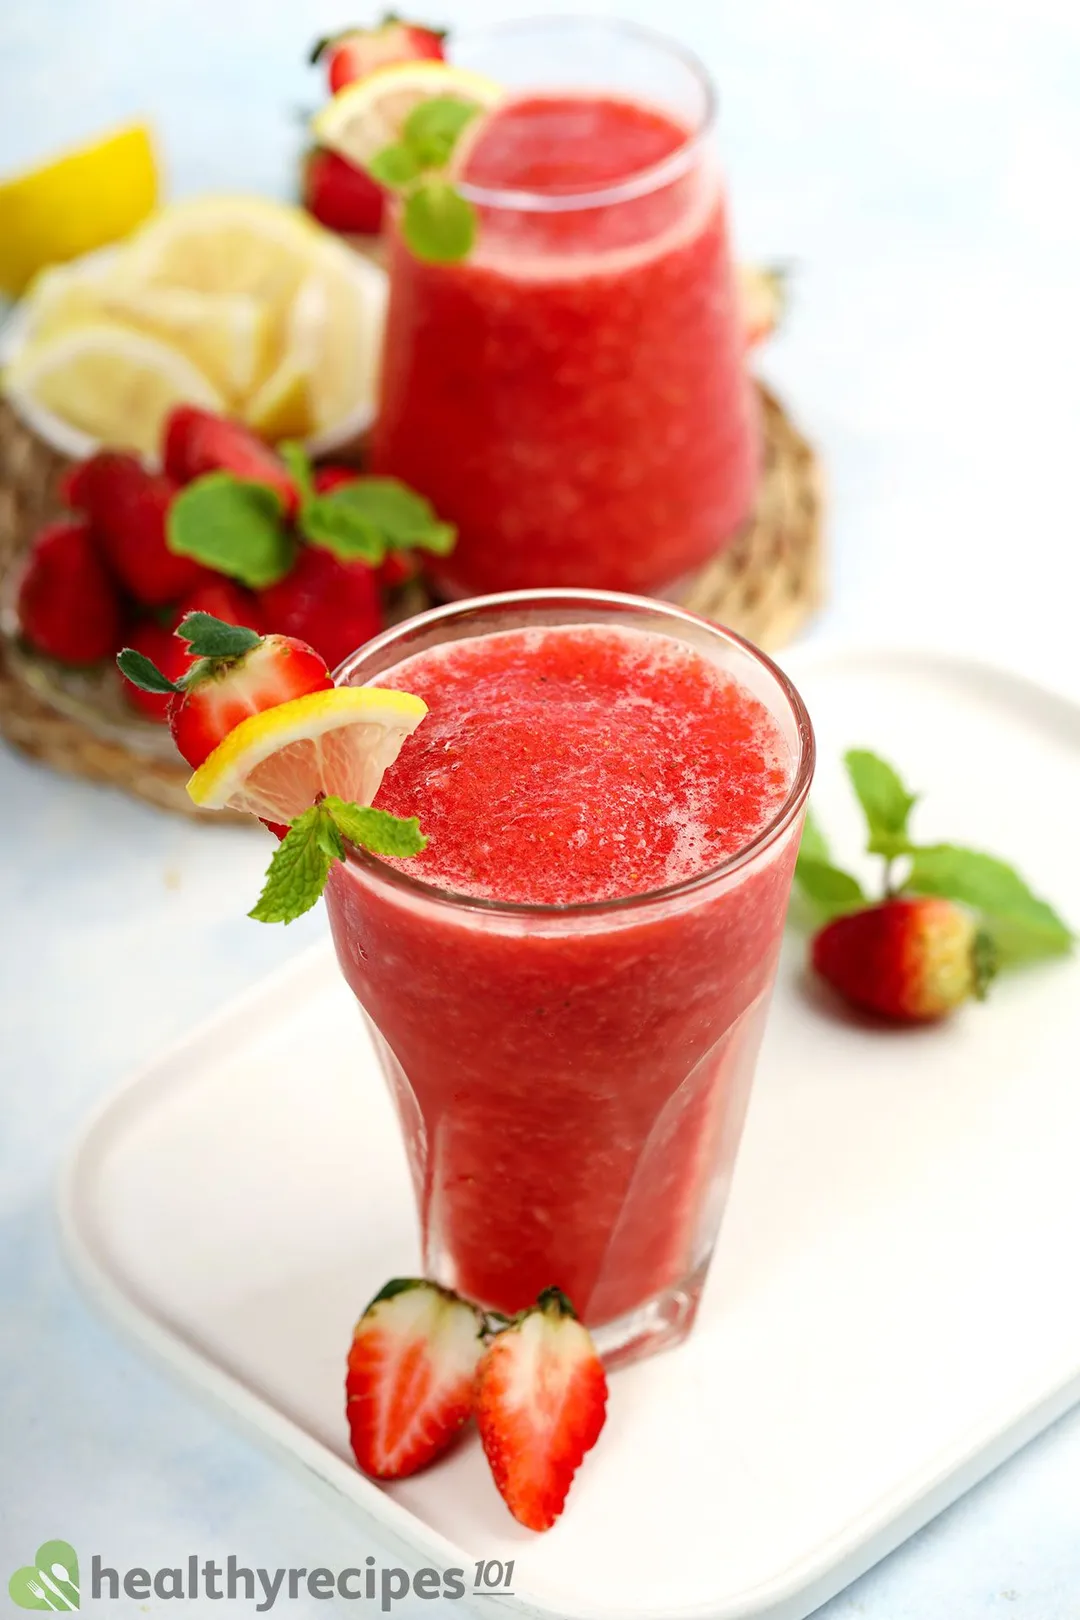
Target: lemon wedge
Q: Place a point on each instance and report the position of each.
(370, 114)
(277, 763)
(80, 201)
(98, 382)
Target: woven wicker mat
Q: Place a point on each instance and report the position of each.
(764, 585)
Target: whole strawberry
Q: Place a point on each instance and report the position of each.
(912, 958)
(409, 1385)
(331, 604)
(197, 442)
(235, 673)
(340, 196)
(67, 604)
(222, 599)
(540, 1403)
(356, 52)
(127, 507)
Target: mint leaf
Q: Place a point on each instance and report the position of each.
(234, 527)
(404, 520)
(376, 830)
(213, 638)
(331, 522)
(432, 128)
(298, 462)
(394, 167)
(1022, 927)
(437, 223)
(143, 672)
(813, 845)
(832, 891)
(885, 800)
(297, 874)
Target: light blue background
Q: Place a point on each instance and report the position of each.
(920, 164)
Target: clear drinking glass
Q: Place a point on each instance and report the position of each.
(571, 1080)
(574, 396)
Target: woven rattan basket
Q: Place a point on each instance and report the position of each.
(764, 585)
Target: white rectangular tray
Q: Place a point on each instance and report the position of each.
(893, 1307)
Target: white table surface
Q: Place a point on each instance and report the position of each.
(920, 163)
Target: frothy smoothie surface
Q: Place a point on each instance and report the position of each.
(580, 763)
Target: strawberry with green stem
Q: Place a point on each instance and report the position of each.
(948, 918)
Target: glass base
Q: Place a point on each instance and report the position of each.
(661, 1323)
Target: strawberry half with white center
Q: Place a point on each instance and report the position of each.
(236, 674)
(356, 52)
(541, 1400)
(409, 1386)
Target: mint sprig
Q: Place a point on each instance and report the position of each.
(367, 518)
(1021, 926)
(233, 526)
(297, 874)
(437, 222)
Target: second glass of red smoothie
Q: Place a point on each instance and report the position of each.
(568, 987)
(574, 395)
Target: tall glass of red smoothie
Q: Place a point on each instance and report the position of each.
(574, 395)
(568, 987)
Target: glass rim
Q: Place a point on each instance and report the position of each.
(373, 867)
(639, 184)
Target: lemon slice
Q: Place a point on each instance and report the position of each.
(282, 408)
(225, 245)
(334, 334)
(277, 763)
(227, 335)
(370, 114)
(106, 383)
(93, 195)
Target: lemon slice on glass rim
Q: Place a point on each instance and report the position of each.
(370, 114)
(278, 764)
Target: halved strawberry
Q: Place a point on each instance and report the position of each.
(356, 52)
(127, 507)
(235, 673)
(409, 1385)
(540, 1403)
(197, 442)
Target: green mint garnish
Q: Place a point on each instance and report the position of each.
(297, 874)
(1021, 926)
(1018, 925)
(371, 516)
(885, 800)
(233, 526)
(437, 222)
(298, 463)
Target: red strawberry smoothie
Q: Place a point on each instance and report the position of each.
(572, 1081)
(574, 396)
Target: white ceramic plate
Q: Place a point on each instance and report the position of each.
(893, 1306)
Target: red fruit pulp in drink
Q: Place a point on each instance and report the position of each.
(573, 396)
(572, 1084)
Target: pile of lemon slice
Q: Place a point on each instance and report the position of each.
(237, 304)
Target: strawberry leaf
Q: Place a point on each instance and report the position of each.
(213, 638)
(813, 846)
(885, 800)
(297, 874)
(404, 520)
(334, 524)
(1021, 926)
(143, 672)
(438, 223)
(234, 527)
(376, 830)
(831, 890)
